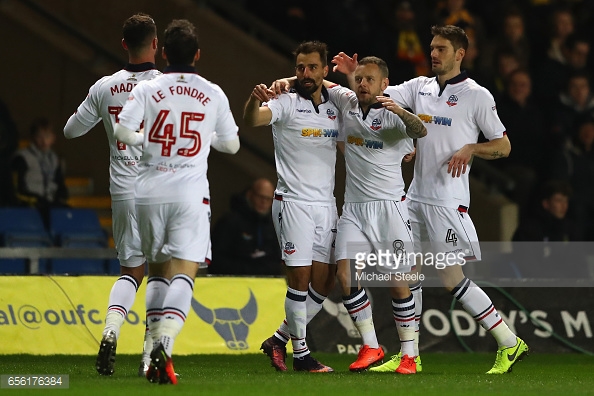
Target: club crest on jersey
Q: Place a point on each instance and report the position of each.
(289, 248)
(181, 79)
(376, 124)
(331, 114)
(452, 100)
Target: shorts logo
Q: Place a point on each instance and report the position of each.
(452, 100)
(289, 248)
(331, 114)
(376, 124)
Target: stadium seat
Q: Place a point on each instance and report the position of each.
(77, 228)
(22, 227)
(73, 226)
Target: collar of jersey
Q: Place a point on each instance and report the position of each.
(140, 67)
(454, 80)
(305, 95)
(376, 105)
(180, 69)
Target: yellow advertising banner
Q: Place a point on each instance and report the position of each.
(49, 315)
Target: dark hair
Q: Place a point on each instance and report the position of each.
(454, 34)
(181, 42)
(553, 187)
(138, 32)
(374, 60)
(39, 124)
(308, 47)
(573, 40)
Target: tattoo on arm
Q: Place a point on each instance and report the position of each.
(414, 126)
(496, 154)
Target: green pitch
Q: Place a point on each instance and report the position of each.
(243, 375)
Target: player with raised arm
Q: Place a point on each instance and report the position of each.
(455, 110)
(378, 135)
(104, 103)
(181, 112)
(304, 129)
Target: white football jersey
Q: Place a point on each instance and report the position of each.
(180, 110)
(105, 101)
(304, 148)
(375, 144)
(453, 118)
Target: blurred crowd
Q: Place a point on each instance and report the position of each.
(534, 56)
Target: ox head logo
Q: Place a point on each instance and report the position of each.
(230, 323)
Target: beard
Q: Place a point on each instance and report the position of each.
(309, 89)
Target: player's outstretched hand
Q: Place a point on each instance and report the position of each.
(280, 86)
(262, 93)
(344, 64)
(459, 162)
(389, 104)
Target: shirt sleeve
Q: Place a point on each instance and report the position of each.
(226, 127)
(403, 94)
(87, 114)
(343, 98)
(486, 117)
(280, 108)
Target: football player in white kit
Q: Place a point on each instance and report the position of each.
(378, 135)
(104, 103)
(305, 130)
(455, 109)
(181, 112)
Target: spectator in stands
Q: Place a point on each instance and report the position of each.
(512, 40)
(556, 74)
(37, 173)
(523, 120)
(9, 140)
(455, 12)
(575, 103)
(575, 164)
(561, 27)
(244, 241)
(403, 47)
(506, 62)
(550, 221)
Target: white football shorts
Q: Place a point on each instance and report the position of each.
(438, 229)
(125, 233)
(179, 229)
(305, 233)
(368, 227)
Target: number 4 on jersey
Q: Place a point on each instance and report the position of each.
(163, 134)
(451, 237)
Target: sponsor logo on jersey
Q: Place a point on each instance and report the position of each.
(376, 124)
(437, 120)
(319, 132)
(494, 108)
(352, 113)
(359, 141)
(289, 248)
(303, 111)
(452, 100)
(331, 114)
(181, 79)
(425, 93)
